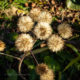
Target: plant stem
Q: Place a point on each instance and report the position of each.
(34, 57)
(10, 56)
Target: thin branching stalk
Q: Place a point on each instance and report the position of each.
(10, 56)
(34, 57)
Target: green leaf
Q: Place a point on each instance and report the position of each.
(32, 75)
(73, 5)
(73, 48)
(71, 63)
(12, 75)
(52, 63)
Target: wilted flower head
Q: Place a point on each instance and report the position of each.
(47, 76)
(11, 11)
(34, 13)
(55, 43)
(24, 42)
(2, 45)
(43, 30)
(25, 24)
(65, 30)
(45, 17)
(41, 69)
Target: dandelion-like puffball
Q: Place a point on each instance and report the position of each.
(25, 24)
(43, 30)
(45, 17)
(41, 69)
(55, 43)
(47, 76)
(24, 42)
(34, 13)
(2, 45)
(65, 30)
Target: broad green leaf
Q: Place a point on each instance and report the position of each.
(52, 63)
(12, 75)
(32, 75)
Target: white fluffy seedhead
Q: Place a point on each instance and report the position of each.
(43, 30)
(34, 13)
(47, 76)
(24, 42)
(25, 23)
(2, 45)
(65, 30)
(55, 43)
(45, 17)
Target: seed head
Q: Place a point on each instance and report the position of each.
(34, 13)
(65, 30)
(41, 69)
(25, 24)
(24, 42)
(55, 43)
(45, 17)
(47, 76)
(2, 45)
(43, 30)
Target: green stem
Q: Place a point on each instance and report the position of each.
(59, 76)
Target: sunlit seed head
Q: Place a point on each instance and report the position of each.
(45, 17)
(55, 43)
(34, 13)
(43, 30)
(41, 69)
(24, 42)
(25, 23)
(49, 75)
(65, 30)
(2, 45)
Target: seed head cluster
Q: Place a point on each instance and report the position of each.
(42, 30)
(44, 72)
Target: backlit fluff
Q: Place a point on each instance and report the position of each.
(55, 43)
(24, 42)
(2, 45)
(45, 17)
(65, 30)
(47, 76)
(43, 30)
(25, 23)
(34, 13)
(41, 69)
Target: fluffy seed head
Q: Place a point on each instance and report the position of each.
(34, 13)
(24, 42)
(65, 30)
(25, 24)
(47, 76)
(41, 69)
(2, 45)
(55, 43)
(45, 17)
(43, 30)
